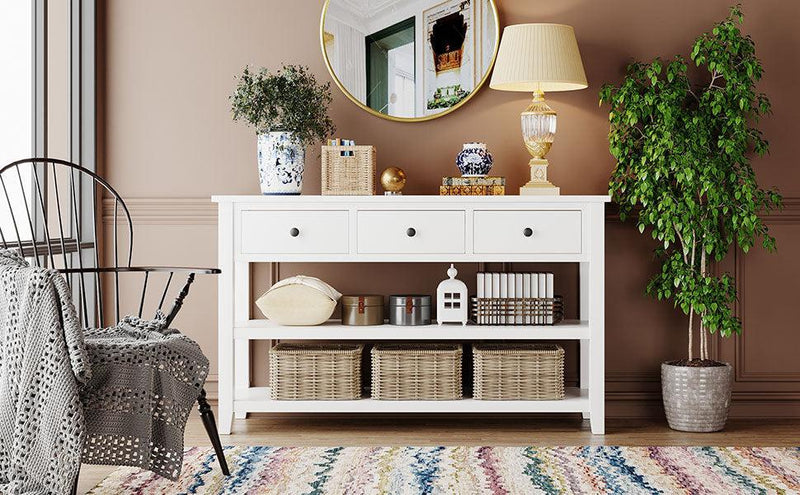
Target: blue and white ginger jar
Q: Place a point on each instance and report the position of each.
(474, 160)
(281, 158)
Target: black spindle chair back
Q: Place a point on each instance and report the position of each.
(53, 216)
(52, 212)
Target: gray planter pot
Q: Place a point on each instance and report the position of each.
(696, 398)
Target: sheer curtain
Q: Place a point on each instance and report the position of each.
(348, 57)
(16, 102)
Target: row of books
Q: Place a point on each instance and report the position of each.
(487, 180)
(342, 142)
(515, 286)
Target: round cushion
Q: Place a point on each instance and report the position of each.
(299, 301)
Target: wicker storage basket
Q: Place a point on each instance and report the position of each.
(315, 371)
(518, 371)
(416, 371)
(348, 170)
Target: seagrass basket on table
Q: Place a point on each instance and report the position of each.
(315, 371)
(348, 170)
(518, 371)
(416, 371)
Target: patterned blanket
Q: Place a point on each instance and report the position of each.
(119, 395)
(43, 363)
(145, 380)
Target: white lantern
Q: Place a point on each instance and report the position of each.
(451, 299)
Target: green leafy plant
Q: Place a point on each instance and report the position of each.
(683, 164)
(289, 100)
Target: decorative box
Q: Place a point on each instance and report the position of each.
(348, 170)
(362, 310)
(315, 371)
(472, 190)
(518, 371)
(409, 310)
(416, 371)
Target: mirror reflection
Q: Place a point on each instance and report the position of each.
(410, 59)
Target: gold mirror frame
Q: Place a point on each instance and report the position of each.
(372, 111)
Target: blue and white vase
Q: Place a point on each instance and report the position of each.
(281, 158)
(474, 160)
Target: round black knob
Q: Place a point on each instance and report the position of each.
(411, 232)
(294, 232)
(527, 232)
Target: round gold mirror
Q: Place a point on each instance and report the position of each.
(409, 60)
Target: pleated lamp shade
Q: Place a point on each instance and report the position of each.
(542, 57)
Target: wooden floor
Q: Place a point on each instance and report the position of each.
(332, 430)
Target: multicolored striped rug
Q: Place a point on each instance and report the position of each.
(475, 470)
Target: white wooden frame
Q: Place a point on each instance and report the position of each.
(236, 327)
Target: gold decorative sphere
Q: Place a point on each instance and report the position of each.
(393, 179)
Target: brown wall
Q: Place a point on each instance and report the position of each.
(169, 144)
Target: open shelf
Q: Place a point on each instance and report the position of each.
(334, 330)
(256, 399)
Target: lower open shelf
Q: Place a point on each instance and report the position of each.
(256, 399)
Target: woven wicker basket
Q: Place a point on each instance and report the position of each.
(315, 371)
(416, 371)
(348, 170)
(518, 371)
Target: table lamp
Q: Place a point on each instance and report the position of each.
(538, 58)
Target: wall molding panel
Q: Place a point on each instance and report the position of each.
(631, 393)
(788, 216)
(164, 211)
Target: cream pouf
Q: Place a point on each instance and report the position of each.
(299, 300)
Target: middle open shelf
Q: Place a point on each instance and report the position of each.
(261, 329)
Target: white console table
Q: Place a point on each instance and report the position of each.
(257, 229)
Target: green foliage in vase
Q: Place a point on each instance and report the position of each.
(683, 163)
(289, 100)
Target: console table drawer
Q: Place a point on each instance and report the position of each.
(532, 231)
(411, 232)
(290, 232)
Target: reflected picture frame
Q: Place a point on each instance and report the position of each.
(325, 38)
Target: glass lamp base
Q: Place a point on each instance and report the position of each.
(539, 185)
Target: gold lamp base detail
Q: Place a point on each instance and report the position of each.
(539, 185)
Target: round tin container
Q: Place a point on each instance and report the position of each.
(362, 310)
(407, 310)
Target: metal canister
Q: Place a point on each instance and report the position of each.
(362, 310)
(409, 310)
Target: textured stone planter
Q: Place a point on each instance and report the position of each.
(696, 398)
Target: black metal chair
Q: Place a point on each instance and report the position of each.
(48, 220)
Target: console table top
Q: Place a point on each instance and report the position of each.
(408, 199)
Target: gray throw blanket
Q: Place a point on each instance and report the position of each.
(130, 409)
(145, 381)
(42, 364)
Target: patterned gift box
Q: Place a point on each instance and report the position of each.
(472, 190)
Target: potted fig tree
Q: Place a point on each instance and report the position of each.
(683, 172)
(289, 111)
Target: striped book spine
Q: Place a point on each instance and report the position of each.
(473, 181)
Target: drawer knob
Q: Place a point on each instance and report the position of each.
(294, 232)
(411, 232)
(527, 232)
